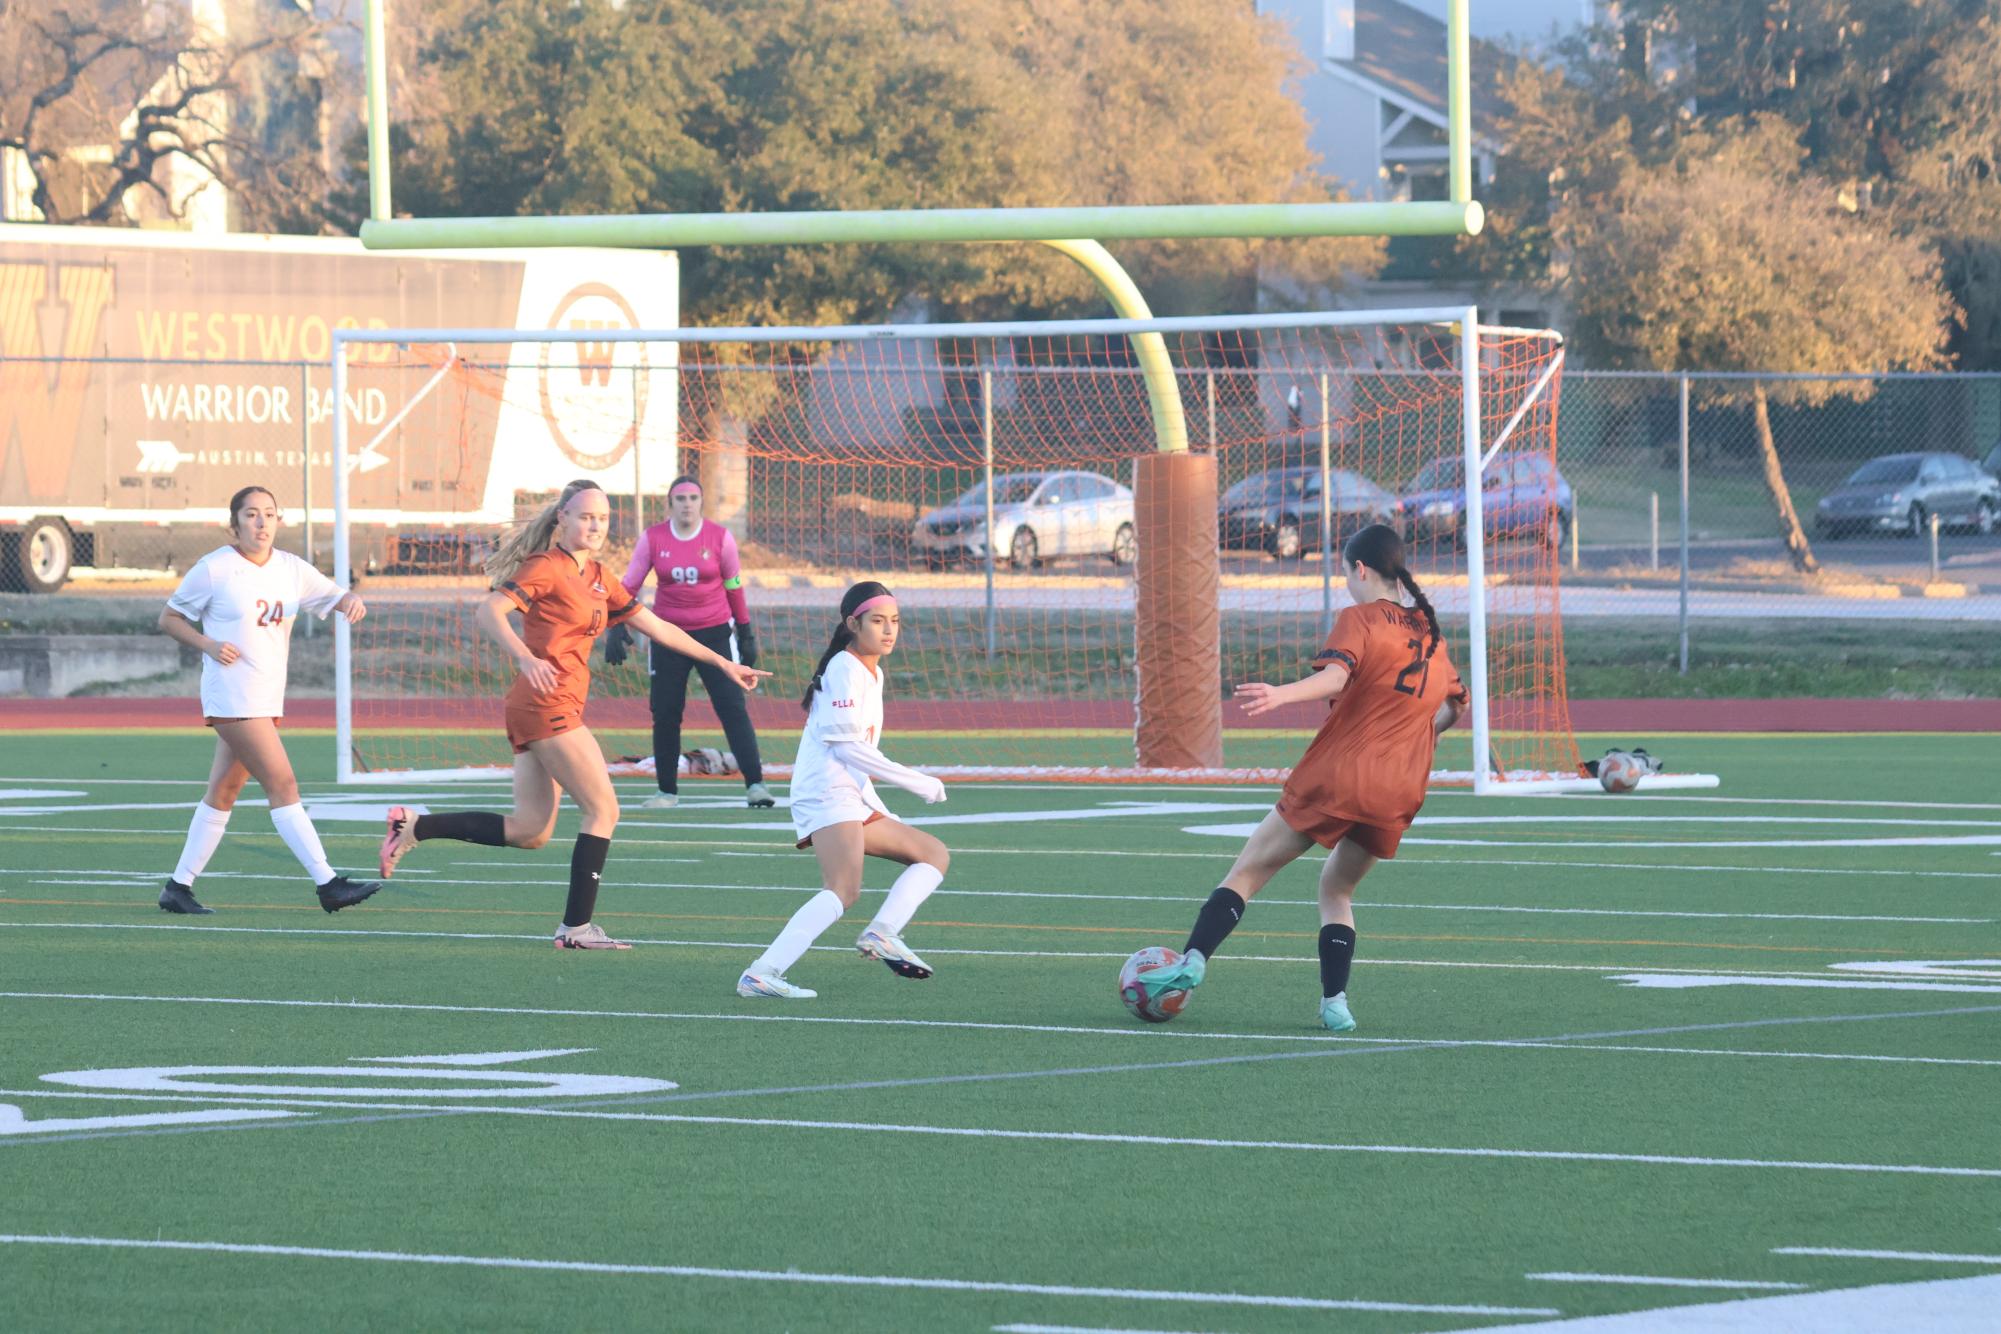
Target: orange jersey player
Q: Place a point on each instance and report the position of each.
(1362, 779)
(549, 573)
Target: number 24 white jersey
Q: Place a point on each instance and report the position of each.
(252, 607)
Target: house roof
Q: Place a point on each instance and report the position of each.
(1400, 54)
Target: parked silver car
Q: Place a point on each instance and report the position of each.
(1898, 493)
(1037, 515)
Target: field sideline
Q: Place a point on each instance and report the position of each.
(1616, 1054)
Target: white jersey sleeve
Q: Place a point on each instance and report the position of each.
(847, 692)
(191, 598)
(317, 593)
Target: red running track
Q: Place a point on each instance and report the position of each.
(1635, 718)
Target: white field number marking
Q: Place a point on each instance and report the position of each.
(449, 1078)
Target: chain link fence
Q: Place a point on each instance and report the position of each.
(1679, 553)
(1711, 506)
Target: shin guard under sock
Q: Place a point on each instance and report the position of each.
(1219, 917)
(586, 868)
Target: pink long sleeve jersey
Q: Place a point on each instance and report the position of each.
(698, 581)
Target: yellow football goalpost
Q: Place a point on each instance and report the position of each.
(1176, 489)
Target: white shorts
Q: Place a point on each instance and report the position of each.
(842, 806)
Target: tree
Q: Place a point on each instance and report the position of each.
(101, 97)
(1732, 257)
(738, 105)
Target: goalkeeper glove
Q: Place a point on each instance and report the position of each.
(746, 644)
(617, 643)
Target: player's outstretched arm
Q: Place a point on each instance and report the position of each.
(492, 621)
(184, 631)
(863, 756)
(1448, 713)
(1256, 697)
(676, 640)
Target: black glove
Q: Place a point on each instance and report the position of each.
(617, 643)
(746, 644)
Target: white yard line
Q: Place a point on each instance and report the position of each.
(1657, 1281)
(791, 1276)
(129, 879)
(749, 945)
(1849, 1253)
(1126, 1032)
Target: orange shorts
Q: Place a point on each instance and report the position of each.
(531, 723)
(873, 816)
(1326, 830)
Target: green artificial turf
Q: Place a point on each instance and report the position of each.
(1504, 922)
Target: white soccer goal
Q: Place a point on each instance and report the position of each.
(1066, 605)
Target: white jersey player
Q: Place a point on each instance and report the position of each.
(237, 606)
(835, 809)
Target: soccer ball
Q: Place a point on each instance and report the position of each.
(1153, 1004)
(1620, 772)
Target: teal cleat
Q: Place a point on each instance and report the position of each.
(1185, 974)
(1334, 1016)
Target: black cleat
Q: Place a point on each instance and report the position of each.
(341, 892)
(177, 897)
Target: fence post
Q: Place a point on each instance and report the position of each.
(1683, 614)
(638, 465)
(1654, 530)
(1326, 513)
(1576, 527)
(306, 448)
(987, 463)
(1209, 379)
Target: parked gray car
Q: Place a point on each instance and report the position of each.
(1899, 493)
(1037, 515)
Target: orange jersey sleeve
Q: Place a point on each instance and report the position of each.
(1370, 760)
(535, 579)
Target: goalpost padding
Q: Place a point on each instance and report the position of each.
(1178, 642)
(862, 430)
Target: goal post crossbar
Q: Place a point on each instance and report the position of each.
(864, 333)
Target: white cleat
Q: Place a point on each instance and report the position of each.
(891, 950)
(661, 801)
(773, 986)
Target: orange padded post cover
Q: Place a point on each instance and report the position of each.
(1179, 640)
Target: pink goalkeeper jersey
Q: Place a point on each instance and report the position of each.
(698, 581)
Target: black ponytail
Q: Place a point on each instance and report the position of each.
(843, 636)
(1380, 548)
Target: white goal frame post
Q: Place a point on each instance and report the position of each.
(1462, 320)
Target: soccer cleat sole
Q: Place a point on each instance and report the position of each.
(913, 968)
(393, 847)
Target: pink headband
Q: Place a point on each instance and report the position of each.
(875, 601)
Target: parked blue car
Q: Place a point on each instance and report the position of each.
(1522, 495)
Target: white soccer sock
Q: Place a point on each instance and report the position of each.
(296, 828)
(807, 925)
(906, 896)
(204, 835)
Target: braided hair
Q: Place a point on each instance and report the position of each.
(843, 636)
(1380, 548)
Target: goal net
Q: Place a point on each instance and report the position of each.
(1004, 481)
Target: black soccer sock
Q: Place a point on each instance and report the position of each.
(485, 827)
(586, 866)
(1219, 916)
(1337, 955)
